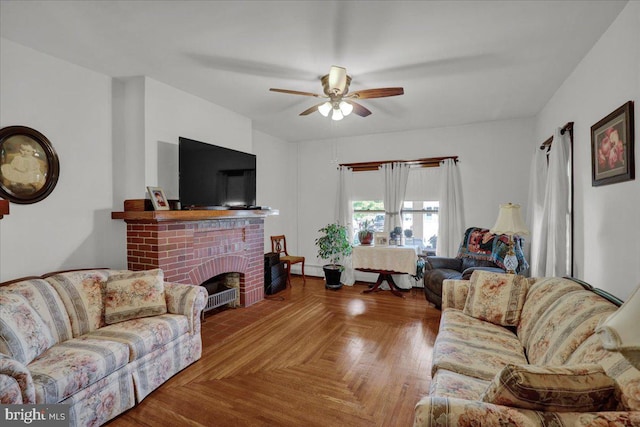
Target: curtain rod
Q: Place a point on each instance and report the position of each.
(567, 127)
(429, 162)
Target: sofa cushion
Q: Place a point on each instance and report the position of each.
(134, 294)
(569, 320)
(578, 388)
(473, 347)
(73, 365)
(144, 335)
(451, 384)
(544, 292)
(626, 377)
(82, 293)
(23, 333)
(47, 303)
(496, 297)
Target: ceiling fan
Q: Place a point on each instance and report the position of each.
(340, 102)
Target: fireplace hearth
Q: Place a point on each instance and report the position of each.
(192, 248)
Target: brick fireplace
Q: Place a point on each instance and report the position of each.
(192, 247)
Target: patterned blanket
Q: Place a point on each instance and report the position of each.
(479, 243)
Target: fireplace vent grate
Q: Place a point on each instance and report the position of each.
(221, 298)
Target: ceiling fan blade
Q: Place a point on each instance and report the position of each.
(295, 92)
(337, 79)
(358, 109)
(311, 109)
(377, 93)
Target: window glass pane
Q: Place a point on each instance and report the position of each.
(419, 221)
(369, 212)
(420, 224)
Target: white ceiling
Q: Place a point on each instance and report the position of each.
(458, 61)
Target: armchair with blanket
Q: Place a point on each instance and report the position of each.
(479, 250)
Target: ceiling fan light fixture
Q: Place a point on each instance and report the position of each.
(337, 114)
(325, 109)
(346, 108)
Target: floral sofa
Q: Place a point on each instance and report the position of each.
(513, 351)
(98, 340)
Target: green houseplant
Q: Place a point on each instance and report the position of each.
(333, 245)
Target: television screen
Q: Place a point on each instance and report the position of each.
(211, 176)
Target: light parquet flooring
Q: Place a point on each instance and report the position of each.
(315, 358)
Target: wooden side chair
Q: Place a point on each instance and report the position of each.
(279, 245)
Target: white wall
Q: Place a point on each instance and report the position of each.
(171, 113)
(156, 115)
(491, 169)
(114, 138)
(277, 187)
(71, 106)
(607, 218)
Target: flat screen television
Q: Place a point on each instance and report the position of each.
(215, 177)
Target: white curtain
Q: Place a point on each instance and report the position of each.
(535, 212)
(395, 185)
(551, 229)
(344, 215)
(344, 200)
(450, 217)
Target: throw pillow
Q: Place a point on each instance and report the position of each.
(23, 334)
(496, 297)
(577, 388)
(134, 294)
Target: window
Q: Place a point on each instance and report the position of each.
(420, 224)
(369, 211)
(419, 221)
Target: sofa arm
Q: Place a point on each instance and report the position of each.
(449, 411)
(16, 383)
(454, 293)
(466, 274)
(435, 262)
(443, 411)
(188, 300)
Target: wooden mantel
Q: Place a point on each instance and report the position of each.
(4, 208)
(138, 210)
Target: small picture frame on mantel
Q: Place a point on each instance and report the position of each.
(158, 199)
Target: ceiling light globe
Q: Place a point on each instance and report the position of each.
(346, 108)
(325, 108)
(337, 114)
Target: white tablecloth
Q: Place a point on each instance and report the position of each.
(400, 259)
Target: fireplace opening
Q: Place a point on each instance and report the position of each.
(223, 289)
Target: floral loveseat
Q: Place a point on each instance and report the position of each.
(513, 351)
(97, 340)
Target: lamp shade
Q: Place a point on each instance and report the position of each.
(325, 108)
(620, 331)
(509, 221)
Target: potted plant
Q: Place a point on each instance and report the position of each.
(333, 245)
(365, 235)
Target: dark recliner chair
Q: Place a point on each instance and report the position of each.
(437, 269)
(479, 250)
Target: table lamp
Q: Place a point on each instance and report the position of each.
(510, 223)
(619, 332)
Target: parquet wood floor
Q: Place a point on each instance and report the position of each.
(308, 357)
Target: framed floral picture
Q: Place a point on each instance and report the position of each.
(29, 165)
(158, 199)
(612, 151)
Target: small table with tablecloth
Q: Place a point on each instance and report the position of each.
(385, 260)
